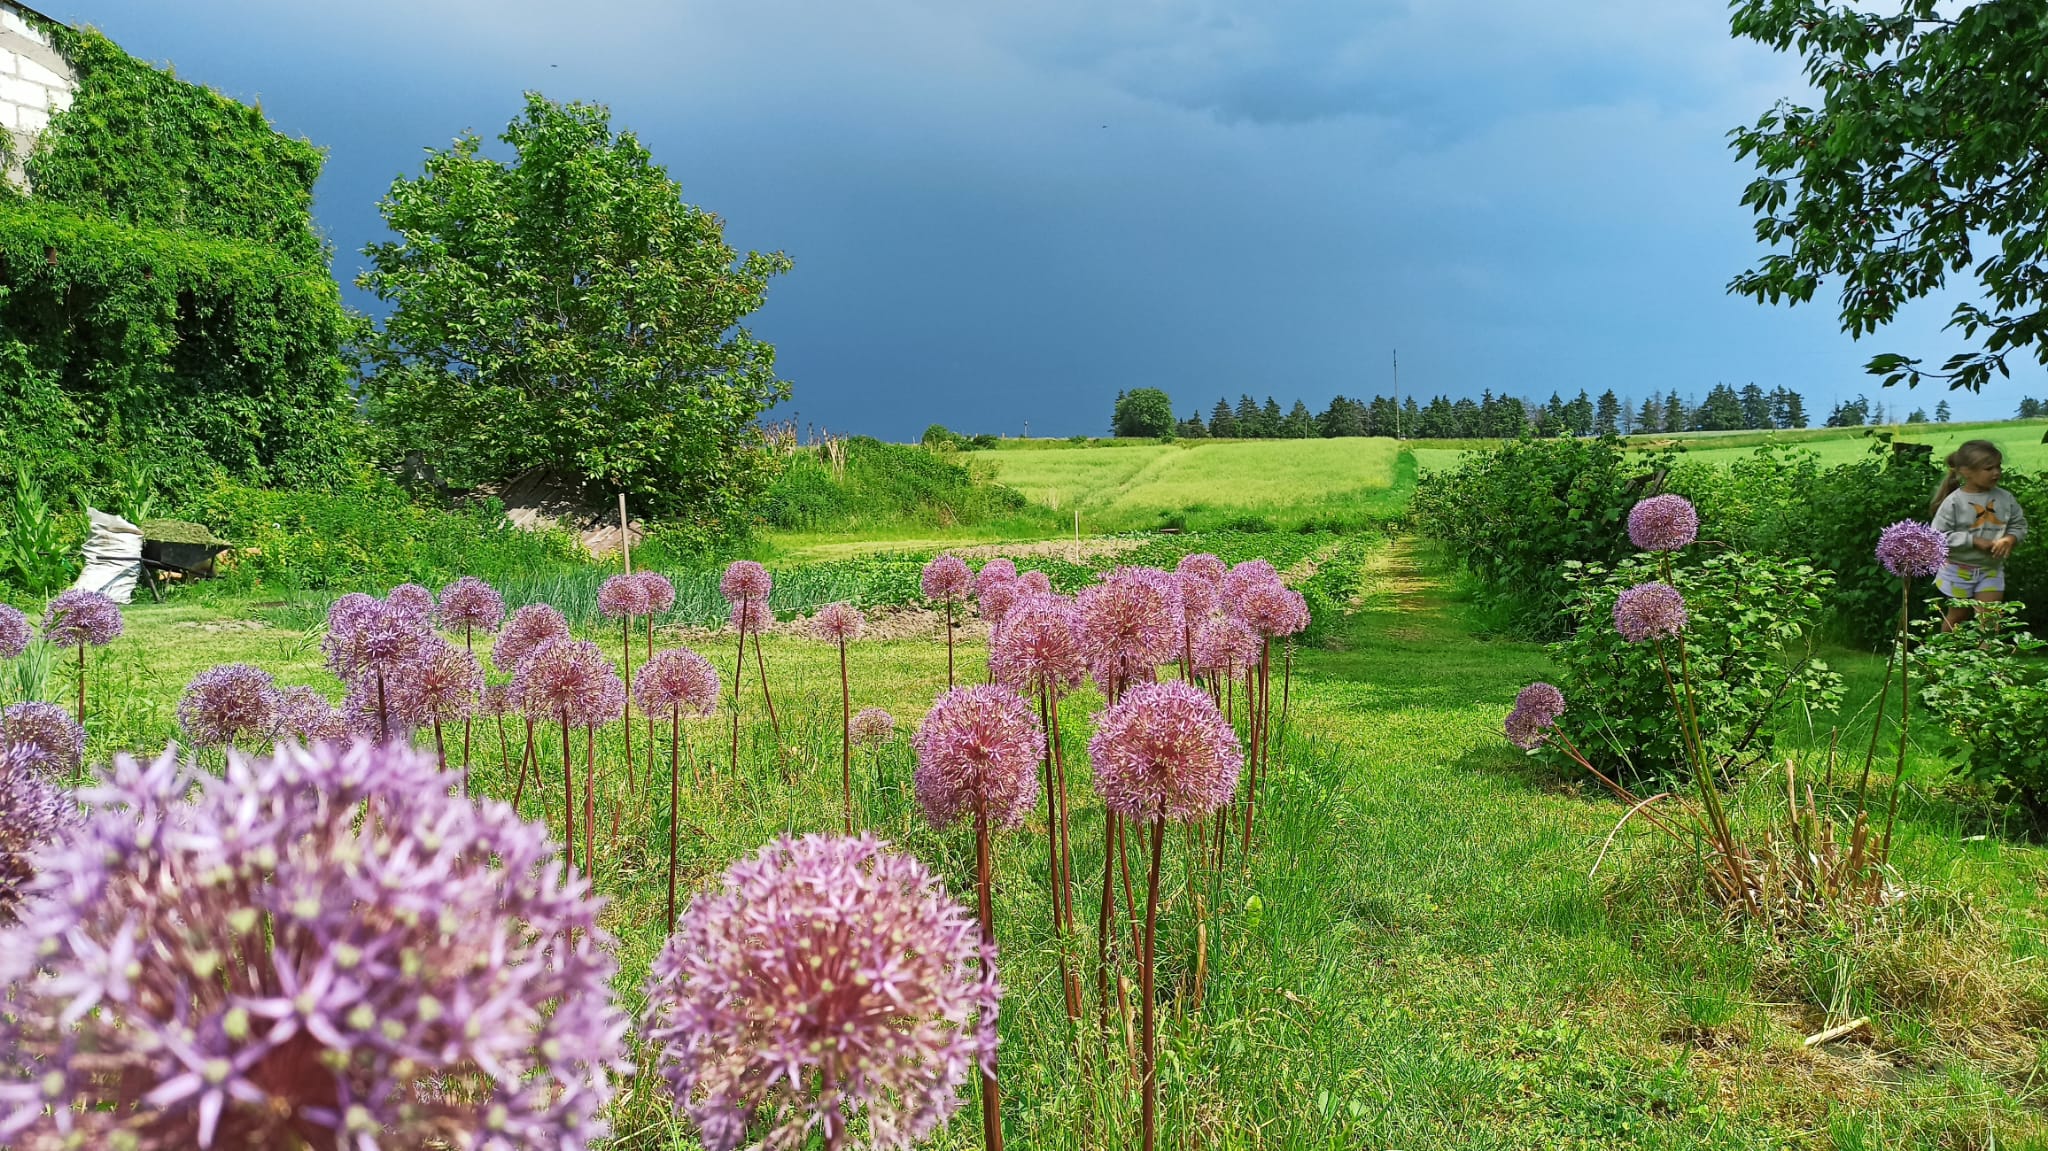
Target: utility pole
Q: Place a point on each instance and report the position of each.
(1397, 393)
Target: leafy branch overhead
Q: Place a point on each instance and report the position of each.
(1927, 146)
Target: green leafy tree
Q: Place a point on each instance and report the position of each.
(1927, 142)
(567, 310)
(1143, 412)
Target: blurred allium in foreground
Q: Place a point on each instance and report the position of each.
(622, 597)
(1912, 549)
(530, 629)
(1536, 709)
(661, 594)
(42, 736)
(677, 678)
(838, 623)
(80, 618)
(226, 702)
(1663, 523)
(872, 727)
(745, 580)
(1649, 611)
(14, 631)
(32, 813)
(469, 604)
(1164, 750)
(946, 579)
(1038, 646)
(977, 750)
(243, 962)
(304, 714)
(825, 978)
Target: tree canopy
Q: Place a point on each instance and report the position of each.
(568, 310)
(1143, 412)
(1927, 142)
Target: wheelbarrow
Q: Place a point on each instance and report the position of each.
(186, 550)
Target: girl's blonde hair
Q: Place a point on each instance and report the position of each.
(1968, 454)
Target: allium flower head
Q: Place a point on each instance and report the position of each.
(1200, 597)
(751, 616)
(469, 604)
(977, 751)
(1244, 577)
(14, 631)
(1164, 750)
(444, 683)
(745, 580)
(255, 966)
(946, 579)
(1649, 611)
(872, 727)
(1272, 609)
(1201, 565)
(838, 623)
(1038, 646)
(1225, 646)
(304, 714)
(367, 635)
(677, 678)
(1536, 710)
(570, 679)
(497, 700)
(33, 812)
(413, 603)
(996, 598)
(822, 960)
(530, 629)
(995, 571)
(622, 597)
(1034, 582)
(1131, 623)
(228, 701)
(1663, 523)
(661, 594)
(43, 736)
(77, 618)
(1912, 550)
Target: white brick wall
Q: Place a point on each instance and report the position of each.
(35, 83)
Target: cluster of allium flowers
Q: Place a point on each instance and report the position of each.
(80, 618)
(622, 597)
(1912, 550)
(1663, 523)
(1201, 565)
(227, 702)
(1649, 611)
(1536, 710)
(946, 579)
(412, 602)
(33, 812)
(838, 623)
(872, 727)
(745, 580)
(570, 680)
(43, 736)
(366, 635)
(822, 961)
(470, 605)
(530, 629)
(1225, 646)
(248, 962)
(661, 594)
(304, 714)
(677, 679)
(1038, 646)
(1131, 623)
(995, 571)
(14, 631)
(751, 616)
(1164, 750)
(977, 751)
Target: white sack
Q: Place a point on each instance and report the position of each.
(113, 557)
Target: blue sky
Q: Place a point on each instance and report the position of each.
(1003, 213)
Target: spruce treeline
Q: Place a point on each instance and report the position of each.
(1499, 417)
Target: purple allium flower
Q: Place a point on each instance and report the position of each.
(77, 618)
(1542, 701)
(752, 615)
(1038, 646)
(838, 623)
(530, 629)
(1272, 609)
(622, 597)
(822, 961)
(1524, 730)
(661, 594)
(995, 571)
(995, 598)
(14, 631)
(228, 701)
(1131, 623)
(304, 714)
(946, 579)
(254, 966)
(444, 682)
(367, 635)
(470, 604)
(497, 699)
(42, 735)
(1034, 582)
(412, 602)
(872, 727)
(745, 580)
(977, 750)
(1164, 750)
(33, 812)
(1912, 550)
(677, 678)
(1225, 646)
(1649, 611)
(1201, 565)
(1243, 578)
(570, 679)
(1663, 523)
(1200, 597)
(389, 719)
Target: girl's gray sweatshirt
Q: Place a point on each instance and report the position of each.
(1972, 521)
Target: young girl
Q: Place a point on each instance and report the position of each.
(1982, 523)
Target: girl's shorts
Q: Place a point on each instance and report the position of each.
(1967, 581)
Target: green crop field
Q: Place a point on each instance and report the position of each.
(2020, 440)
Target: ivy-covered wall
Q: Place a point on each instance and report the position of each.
(163, 292)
